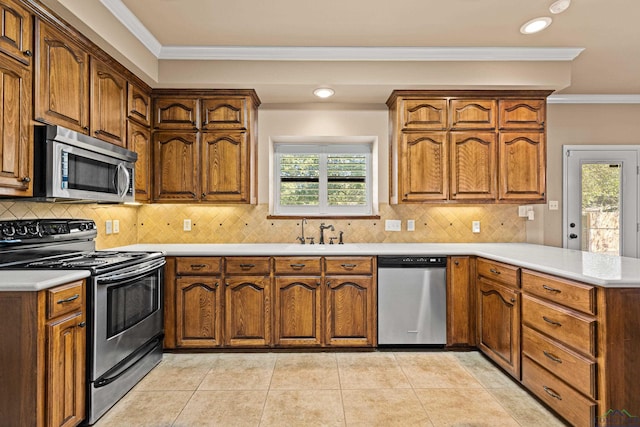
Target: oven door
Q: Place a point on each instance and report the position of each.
(127, 314)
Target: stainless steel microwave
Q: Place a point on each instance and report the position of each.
(70, 166)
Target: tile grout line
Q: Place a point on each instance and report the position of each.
(266, 396)
(413, 389)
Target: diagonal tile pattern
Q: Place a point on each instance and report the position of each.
(384, 388)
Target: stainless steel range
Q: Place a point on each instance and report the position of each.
(124, 311)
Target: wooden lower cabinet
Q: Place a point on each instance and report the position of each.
(499, 324)
(42, 362)
(460, 303)
(350, 311)
(298, 311)
(247, 311)
(198, 312)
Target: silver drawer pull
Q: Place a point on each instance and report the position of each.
(247, 265)
(349, 266)
(71, 298)
(553, 322)
(297, 266)
(552, 357)
(550, 289)
(494, 271)
(551, 393)
(198, 266)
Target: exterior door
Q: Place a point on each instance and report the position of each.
(600, 211)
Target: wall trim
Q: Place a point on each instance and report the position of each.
(593, 99)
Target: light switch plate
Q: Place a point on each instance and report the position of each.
(411, 225)
(392, 225)
(475, 226)
(186, 225)
(108, 226)
(116, 226)
(522, 211)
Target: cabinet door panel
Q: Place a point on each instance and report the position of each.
(16, 160)
(473, 114)
(298, 311)
(499, 325)
(108, 104)
(15, 31)
(473, 165)
(66, 375)
(61, 81)
(176, 166)
(424, 159)
(460, 303)
(225, 166)
(350, 306)
(176, 113)
(224, 113)
(198, 308)
(522, 166)
(522, 114)
(247, 311)
(139, 140)
(138, 105)
(423, 114)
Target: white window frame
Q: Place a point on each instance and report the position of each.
(324, 145)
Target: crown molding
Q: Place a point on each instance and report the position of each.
(593, 99)
(360, 53)
(133, 24)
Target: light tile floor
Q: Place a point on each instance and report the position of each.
(327, 389)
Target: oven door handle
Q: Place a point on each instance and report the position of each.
(135, 273)
(122, 369)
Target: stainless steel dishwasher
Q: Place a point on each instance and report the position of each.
(412, 300)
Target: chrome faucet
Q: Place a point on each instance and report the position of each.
(322, 228)
(301, 238)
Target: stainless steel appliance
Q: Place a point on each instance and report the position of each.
(412, 300)
(70, 166)
(124, 301)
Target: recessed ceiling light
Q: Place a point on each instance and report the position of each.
(535, 25)
(323, 92)
(559, 6)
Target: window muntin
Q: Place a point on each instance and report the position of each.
(322, 179)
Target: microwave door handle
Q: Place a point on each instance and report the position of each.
(122, 180)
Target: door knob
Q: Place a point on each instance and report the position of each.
(573, 236)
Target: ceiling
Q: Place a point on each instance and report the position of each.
(607, 30)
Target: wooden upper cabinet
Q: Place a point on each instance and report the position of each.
(473, 114)
(224, 113)
(108, 103)
(423, 114)
(61, 80)
(425, 166)
(473, 165)
(16, 31)
(139, 140)
(176, 113)
(175, 166)
(522, 158)
(522, 113)
(138, 105)
(16, 159)
(225, 166)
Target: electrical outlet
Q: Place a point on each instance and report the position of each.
(553, 205)
(522, 211)
(392, 225)
(411, 225)
(475, 226)
(186, 225)
(116, 226)
(108, 227)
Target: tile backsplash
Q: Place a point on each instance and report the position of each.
(163, 223)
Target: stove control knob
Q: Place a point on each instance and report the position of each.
(21, 230)
(8, 230)
(33, 230)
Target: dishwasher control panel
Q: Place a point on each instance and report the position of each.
(412, 261)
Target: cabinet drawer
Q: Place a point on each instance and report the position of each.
(568, 327)
(247, 265)
(503, 273)
(297, 265)
(578, 296)
(349, 265)
(577, 409)
(560, 361)
(65, 299)
(197, 265)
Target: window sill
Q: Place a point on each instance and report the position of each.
(323, 216)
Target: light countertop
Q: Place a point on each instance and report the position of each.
(596, 269)
(35, 280)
